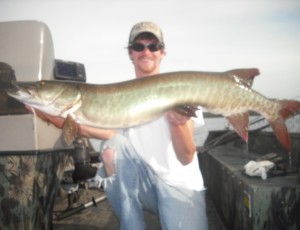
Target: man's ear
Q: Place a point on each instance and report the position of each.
(164, 53)
(129, 54)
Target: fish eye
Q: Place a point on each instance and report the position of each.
(41, 83)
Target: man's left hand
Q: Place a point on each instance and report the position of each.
(176, 118)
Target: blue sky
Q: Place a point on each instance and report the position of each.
(200, 35)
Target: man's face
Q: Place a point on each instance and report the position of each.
(146, 62)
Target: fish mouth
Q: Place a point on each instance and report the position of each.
(20, 90)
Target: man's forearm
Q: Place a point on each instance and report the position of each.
(91, 132)
(183, 141)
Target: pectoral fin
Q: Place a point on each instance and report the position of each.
(240, 123)
(70, 129)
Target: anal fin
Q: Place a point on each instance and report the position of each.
(240, 123)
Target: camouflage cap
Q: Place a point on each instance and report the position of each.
(146, 27)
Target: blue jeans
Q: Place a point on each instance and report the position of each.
(135, 187)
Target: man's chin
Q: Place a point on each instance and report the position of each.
(147, 70)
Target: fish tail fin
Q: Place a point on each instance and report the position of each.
(287, 110)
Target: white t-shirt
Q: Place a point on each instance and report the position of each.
(152, 142)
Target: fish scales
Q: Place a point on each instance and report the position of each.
(142, 100)
(135, 102)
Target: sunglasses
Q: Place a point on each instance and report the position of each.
(139, 47)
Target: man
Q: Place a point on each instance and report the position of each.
(153, 166)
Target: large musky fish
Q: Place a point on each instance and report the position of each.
(134, 102)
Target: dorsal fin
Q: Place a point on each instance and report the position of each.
(246, 76)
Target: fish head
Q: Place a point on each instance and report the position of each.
(52, 97)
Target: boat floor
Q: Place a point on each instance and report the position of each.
(102, 216)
